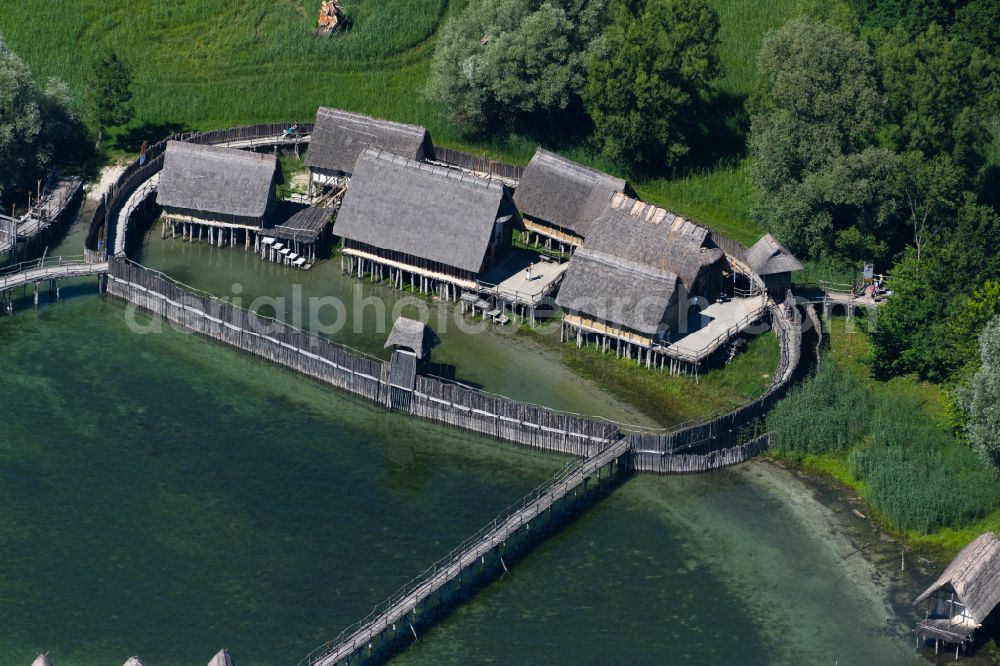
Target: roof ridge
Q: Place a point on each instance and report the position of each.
(623, 263)
(222, 151)
(575, 169)
(334, 112)
(442, 172)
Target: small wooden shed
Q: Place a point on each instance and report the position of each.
(436, 227)
(772, 261)
(964, 595)
(560, 199)
(339, 137)
(624, 283)
(224, 192)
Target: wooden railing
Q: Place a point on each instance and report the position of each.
(482, 165)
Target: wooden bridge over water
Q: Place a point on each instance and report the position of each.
(45, 270)
(474, 563)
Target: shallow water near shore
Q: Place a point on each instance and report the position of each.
(741, 566)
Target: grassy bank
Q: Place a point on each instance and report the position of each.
(205, 64)
(671, 400)
(892, 444)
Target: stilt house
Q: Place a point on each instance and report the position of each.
(772, 261)
(435, 227)
(560, 199)
(634, 273)
(222, 191)
(339, 137)
(966, 593)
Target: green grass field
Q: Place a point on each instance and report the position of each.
(204, 64)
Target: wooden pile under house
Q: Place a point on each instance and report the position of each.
(626, 284)
(437, 228)
(772, 261)
(222, 193)
(300, 235)
(966, 593)
(560, 199)
(339, 137)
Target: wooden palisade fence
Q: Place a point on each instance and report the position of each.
(449, 403)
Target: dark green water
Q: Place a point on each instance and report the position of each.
(164, 496)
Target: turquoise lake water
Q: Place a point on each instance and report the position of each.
(165, 496)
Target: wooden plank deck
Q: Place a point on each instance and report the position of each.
(366, 634)
(58, 271)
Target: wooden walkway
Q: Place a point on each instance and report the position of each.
(55, 268)
(362, 641)
(57, 196)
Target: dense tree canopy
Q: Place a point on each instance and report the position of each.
(500, 59)
(820, 182)
(646, 76)
(982, 397)
(31, 121)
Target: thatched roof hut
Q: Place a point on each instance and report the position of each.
(768, 256)
(422, 218)
(215, 183)
(413, 335)
(772, 261)
(222, 658)
(557, 192)
(339, 137)
(629, 268)
(965, 594)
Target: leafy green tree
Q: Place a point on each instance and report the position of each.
(502, 59)
(32, 121)
(929, 325)
(646, 76)
(982, 397)
(934, 86)
(820, 185)
(929, 189)
(109, 93)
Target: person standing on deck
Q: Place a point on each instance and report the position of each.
(527, 272)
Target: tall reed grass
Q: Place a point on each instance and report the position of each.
(916, 475)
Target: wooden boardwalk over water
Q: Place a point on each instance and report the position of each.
(375, 638)
(59, 195)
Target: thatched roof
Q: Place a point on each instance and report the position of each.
(339, 137)
(627, 270)
(299, 222)
(564, 193)
(41, 660)
(768, 256)
(431, 212)
(974, 576)
(217, 180)
(414, 335)
(222, 658)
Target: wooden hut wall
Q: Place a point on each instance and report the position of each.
(410, 260)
